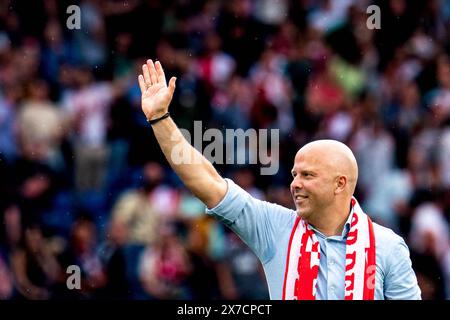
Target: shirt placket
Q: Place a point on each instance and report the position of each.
(331, 265)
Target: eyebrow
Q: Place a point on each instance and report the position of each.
(310, 171)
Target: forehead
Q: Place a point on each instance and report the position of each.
(309, 159)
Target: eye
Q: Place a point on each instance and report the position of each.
(293, 174)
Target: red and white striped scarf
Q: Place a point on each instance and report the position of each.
(302, 265)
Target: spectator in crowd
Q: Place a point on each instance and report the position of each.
(40, 126)
(82, 251)
(35, 267)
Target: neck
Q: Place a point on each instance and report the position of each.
(331, 221)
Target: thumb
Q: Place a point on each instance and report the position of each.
(172, 85)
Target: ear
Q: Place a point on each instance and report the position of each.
(341, 183)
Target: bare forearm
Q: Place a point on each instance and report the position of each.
(196, 172)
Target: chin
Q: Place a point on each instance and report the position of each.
(301, 213)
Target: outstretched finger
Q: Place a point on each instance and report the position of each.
(146, 73)
(142, 83)
(152, 71)
(160, 72)
(172, 85)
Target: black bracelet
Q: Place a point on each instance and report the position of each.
(159, 119)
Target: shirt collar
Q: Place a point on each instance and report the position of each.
(346, 229)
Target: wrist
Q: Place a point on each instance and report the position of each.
(158, 118)
(156, 115)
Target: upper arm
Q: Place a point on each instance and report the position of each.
(400, 281)
(215, 193)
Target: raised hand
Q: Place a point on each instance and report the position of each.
(156, 95)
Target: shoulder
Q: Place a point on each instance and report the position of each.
(128, 201)
(385, 237)
(284, 218)
(241, 198)
(391, 248)
(394, 265)
(237, 201)
(129, 195)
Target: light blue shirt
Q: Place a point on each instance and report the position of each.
(266, 227)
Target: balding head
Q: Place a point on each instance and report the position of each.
(337, 157)
(325, 174)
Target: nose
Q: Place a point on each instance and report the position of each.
(296, 184)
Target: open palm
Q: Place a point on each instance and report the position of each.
(156, 95)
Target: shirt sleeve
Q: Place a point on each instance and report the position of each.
(258, 223)
(400, 281)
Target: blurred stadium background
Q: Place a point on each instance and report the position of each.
(82, 179)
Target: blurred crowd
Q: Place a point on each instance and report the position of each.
(82, 179)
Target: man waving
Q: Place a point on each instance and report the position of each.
(328, 248)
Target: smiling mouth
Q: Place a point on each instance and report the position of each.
(300, 197)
